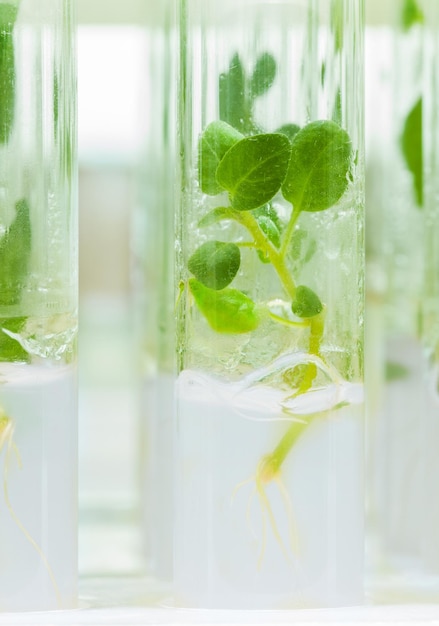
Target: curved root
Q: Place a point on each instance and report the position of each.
(265, 474)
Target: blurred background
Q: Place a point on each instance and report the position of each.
(111, 72)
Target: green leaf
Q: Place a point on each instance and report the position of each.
(226, 311)
(411, 14)
(310, 251)
(302, 247)
(15, 247)
(411, 144)
(233, 106)
(269, 229)
(271, 226)
(215, 263)
(263, 75)
(253, 169)
(306, 303)
(10, 349)
(318, 170)
(271, 232)
(8, 15)
(216, 140)
(267, 210)
(297, 240)
(289, 130)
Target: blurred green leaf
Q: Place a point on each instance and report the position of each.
(215, 263)
(411, 144)
(227, 311)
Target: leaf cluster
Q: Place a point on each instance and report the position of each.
(309, 166)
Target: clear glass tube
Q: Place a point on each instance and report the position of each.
(430, 300)
(154, 286)
(38, 305)
(395, 254)
(269, 395)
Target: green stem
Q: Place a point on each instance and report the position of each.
(283, 320)
(317, 326)
(284, 446)
(289, 231)
(271, 463)
(248, 220)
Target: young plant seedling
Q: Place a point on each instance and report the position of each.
(310, 168)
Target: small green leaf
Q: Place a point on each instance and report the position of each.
(253, 169)
(15, 246)
(215, 263)
(317, 175)
(269, 229)
(263, 75)
(289, 130)
(8, 15)
(215, 215)
(233, 106)
(306, 303)
(226, 311)
(411, 14)
(310, 251)
(216, 140)
(297, 240)
(302, 247)
(10, 349)
(411, 144)
(271, 232)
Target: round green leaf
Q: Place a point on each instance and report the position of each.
(263, 75)
(306, 303)
(226, 311)
(215, 263)
(253, 169)
(216, 140)
(289, 130)
(317, 175)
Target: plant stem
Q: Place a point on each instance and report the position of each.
(317, 326)
(289, 231)
(271, 463)
(284, 446)
(283, 320)
(277, 259)
(246, 219)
